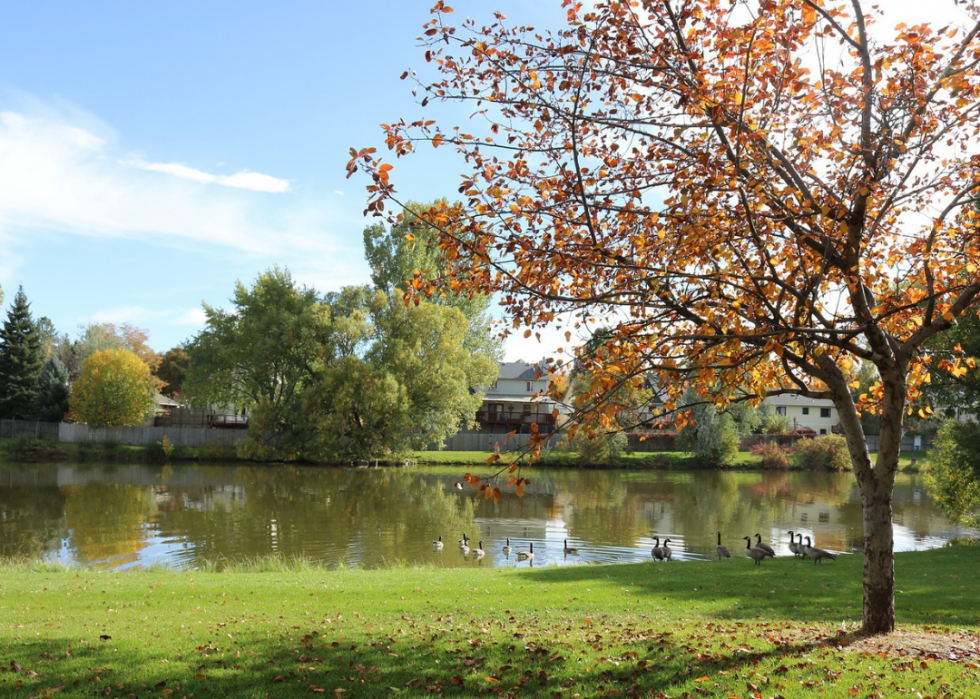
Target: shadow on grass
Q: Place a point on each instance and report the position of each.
(423, 661)
(940, 588)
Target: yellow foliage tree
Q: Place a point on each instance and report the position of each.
(114, 389)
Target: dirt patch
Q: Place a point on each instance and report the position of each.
(915, 643)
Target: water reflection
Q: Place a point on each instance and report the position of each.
(139, 515)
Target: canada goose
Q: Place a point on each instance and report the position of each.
(666, 550)
(507, 548)
(755, 554)
(817, 554)
(437, 545)
(569, 549)
(478, 551)
(462, 542)
(721, 549)
(765, 547)
(526, 555)
(657, 552)
(464, 547)
(793, 546)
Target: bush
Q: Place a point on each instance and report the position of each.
(828, 453)
(604, 448)
(773, 455)
(953, 472)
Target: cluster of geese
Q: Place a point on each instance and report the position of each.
(479, 552)
(761, 551)
(661, 552)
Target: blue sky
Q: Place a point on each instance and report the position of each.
(151, 154)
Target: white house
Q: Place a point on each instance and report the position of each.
(817, 414)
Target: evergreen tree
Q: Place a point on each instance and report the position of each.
(20, 360)
(51, 399)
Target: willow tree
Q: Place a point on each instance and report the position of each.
(756, 196)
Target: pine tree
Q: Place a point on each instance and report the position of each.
(51, 399)
(20, 360)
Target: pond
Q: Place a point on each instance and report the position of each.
(184, 516)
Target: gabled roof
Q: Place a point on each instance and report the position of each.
(520, 370)
(791, 399)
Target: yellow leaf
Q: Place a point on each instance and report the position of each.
(948, 316)
(409, 237)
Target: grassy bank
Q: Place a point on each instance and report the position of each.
(670, 460)
(713, 629)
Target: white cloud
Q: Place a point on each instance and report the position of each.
(61, 170)
(339, 192)
(255, 181)
(194, 316)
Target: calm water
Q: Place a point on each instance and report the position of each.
(120, 516)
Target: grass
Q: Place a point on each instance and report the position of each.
(40, 450)
(713, 629)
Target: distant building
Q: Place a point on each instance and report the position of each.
(817, 414)
(518, 399)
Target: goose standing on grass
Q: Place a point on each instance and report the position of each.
(507, 548)
(526, 555)
(765, 547)
(666, 550)
(568, 549)
(478, 552)
(793, 546)
(721, 549)
(817, 554)
(657, 552)
(755, 554)
(437, 545)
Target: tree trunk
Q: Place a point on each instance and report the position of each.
(879, 559)
(877, 484)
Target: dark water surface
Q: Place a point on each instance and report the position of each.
(119, 516)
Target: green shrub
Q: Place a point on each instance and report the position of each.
(828, 453)
(953, 472)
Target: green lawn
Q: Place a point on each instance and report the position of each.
(712, 629)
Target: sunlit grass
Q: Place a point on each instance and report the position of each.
(287, 628)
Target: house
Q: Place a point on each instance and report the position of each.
(518, 399)
(817, 414)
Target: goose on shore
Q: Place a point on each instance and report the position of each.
(765, 547)
(755, 554)
(721, 549)
(507, 548)
(569, 549)
(793, 546)
(815, 553)
(437, 545)
(656, 551)
(526, 555)
(666, 549)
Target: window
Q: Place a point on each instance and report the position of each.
(824, 412)
(823, 430)
(528, 386)
(780, 410)
(806, 411)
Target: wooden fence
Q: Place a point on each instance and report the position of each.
(145, 436)
(28, 429)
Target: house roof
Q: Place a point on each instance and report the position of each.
(520, 370)
(793, 399)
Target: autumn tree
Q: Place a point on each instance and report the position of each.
(20, 359)
(172, 370)
(755, 196)
(114, 389)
